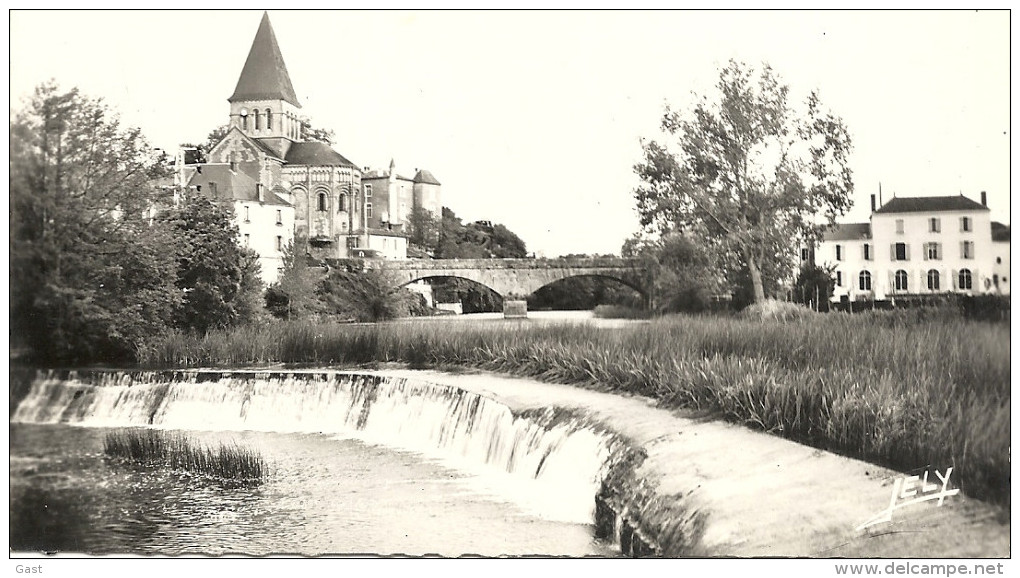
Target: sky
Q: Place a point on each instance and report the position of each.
(535, 119)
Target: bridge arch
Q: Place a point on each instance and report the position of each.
(617, 278)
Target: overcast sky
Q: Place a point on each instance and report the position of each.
(534, 119)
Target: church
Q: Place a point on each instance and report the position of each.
(288, 188)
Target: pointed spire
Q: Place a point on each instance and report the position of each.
(264, 76)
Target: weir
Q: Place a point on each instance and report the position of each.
(552, 463)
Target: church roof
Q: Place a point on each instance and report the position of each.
(930, 205)
(425, 177)
(264, 76)
(315, 154)
(222, 184)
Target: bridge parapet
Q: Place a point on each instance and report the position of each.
(486, 264)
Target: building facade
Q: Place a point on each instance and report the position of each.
(287, 188)
(917, 246)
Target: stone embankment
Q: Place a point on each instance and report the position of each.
(706, 488)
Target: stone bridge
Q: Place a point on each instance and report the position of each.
(518, 278)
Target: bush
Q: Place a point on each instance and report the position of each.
(621, 312)
(781, 311)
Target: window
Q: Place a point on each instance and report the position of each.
(965, 280)
(867, 251)
(269, 119)
(864, 281)
(244, 122)
(839, 278)
(998, 260)
(368, 190)
(965, 224)
(342, 203)
(901, 280)
(839, 252)
(246, 214)
(247, 239)
(804, 254)
(967, 249)
(899, 226)
(279, 217)
(931, 251)
(257, 124)
(322, 201)
(934, 225)
(933, 280)
(900, 252)
(368, 210)
(279, 243)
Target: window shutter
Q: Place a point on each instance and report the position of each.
(963, 249)
(924, 250)
(954, 279)
(892, 252)
(906, 251)
(892, 281)
(938, 251)
(961, 224)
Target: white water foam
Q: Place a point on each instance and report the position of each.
(550, 468)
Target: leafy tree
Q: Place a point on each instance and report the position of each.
(423, 229)
(308, 132)
(88, 271)
(218, 277)
(682, 275)
(815, 286)
(750, 172)
(294, 293)
(364, 295)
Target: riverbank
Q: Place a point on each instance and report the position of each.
(899, 392)
(750, 493)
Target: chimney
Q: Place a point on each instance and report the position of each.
(872, 203)
(984, 198)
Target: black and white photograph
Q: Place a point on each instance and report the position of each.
(727, 287)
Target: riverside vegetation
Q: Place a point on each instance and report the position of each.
(176, 451)
(898, 390)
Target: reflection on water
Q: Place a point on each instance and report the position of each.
(323, 496)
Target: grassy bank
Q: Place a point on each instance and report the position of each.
(908, 394)
(178, 452)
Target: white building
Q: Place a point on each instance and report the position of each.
(917, 246)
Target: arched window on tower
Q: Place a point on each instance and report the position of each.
(341, 203)
(257, 123)
(269, 119)
(322, 201)
(244, 121)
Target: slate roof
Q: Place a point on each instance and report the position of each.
(264, 76)
(1000, 232)
(314, 153)
(425, 177)
(848, 232)
(381, 174)
(930, 205)
(230, 185)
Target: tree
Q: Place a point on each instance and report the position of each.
(814, 286)
(219, 278)
(364, 295)
(750, 172)
(681, 275)
(88, 269)
(201, 151)
(423, 229)
(294, 293)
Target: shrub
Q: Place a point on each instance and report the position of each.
(781, 311)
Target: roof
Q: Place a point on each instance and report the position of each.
(230, 185)
(264, 76)
(847, 232)
(1000, 232)
(425, 177)
(315, 153)
(381, 174)
(930, 205)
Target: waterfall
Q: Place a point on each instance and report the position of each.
(549, 462)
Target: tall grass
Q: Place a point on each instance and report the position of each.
(907, 395)
(176, 451)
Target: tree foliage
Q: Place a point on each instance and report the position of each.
(219, 279)
(364, 295)
(681, 276)
(815, 286)
(88, 270)
(294, 293)
(748, 173)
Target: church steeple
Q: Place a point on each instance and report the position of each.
(264, 76)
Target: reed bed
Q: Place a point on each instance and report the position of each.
(908, 395)
(176, 451)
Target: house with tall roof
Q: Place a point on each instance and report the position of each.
(288, 188)
(917, 246)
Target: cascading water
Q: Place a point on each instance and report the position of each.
(548, 462)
